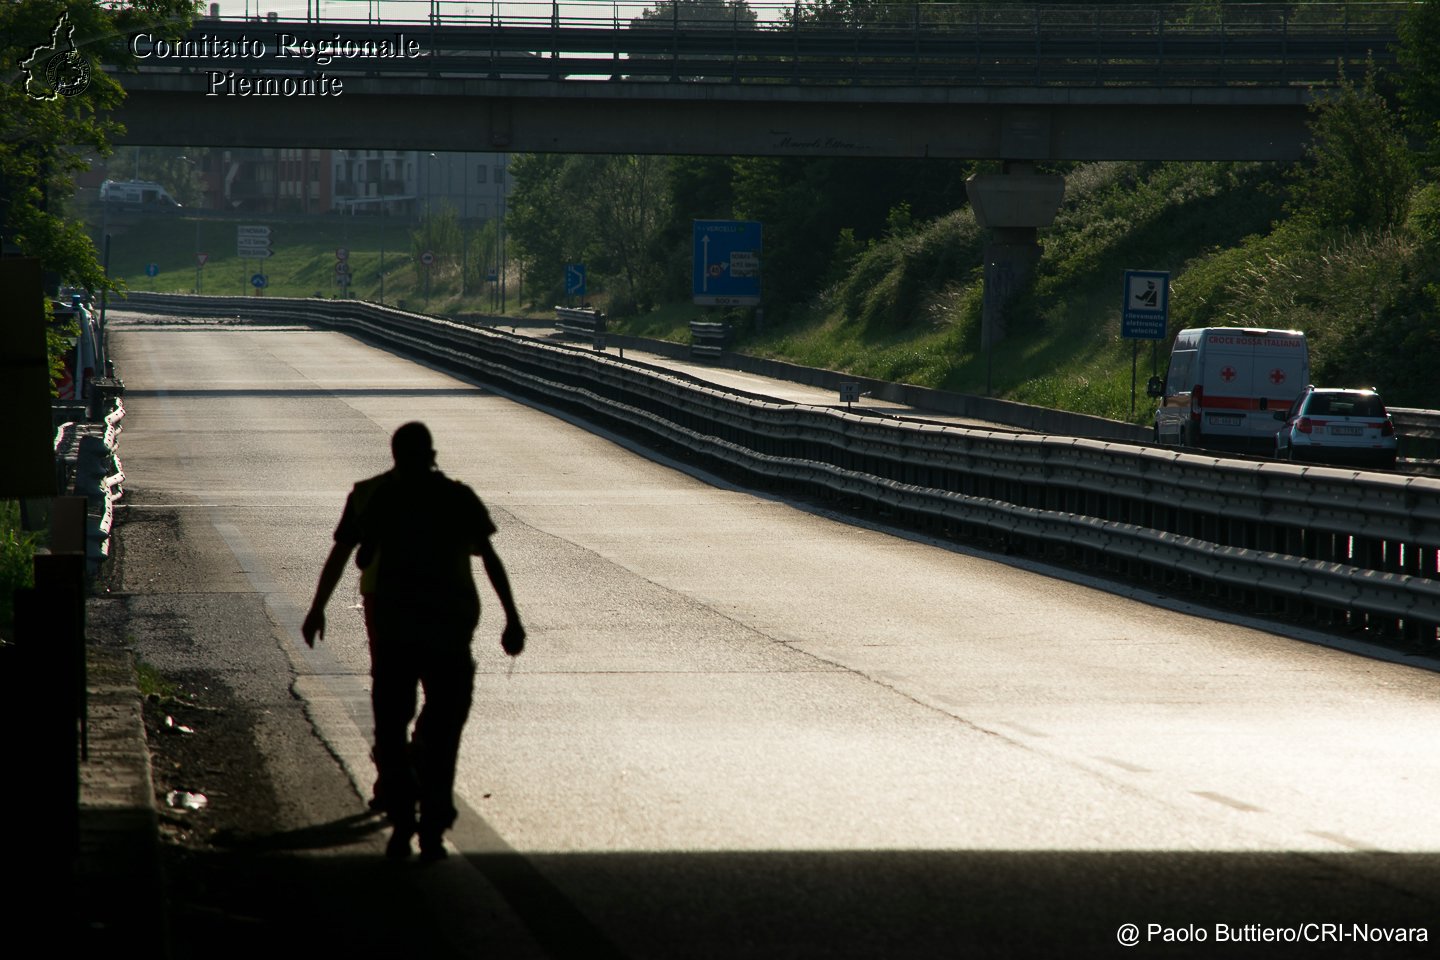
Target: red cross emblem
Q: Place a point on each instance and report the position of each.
(1277, 376)
(1227, 374)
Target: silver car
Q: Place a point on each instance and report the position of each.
(1329, 425)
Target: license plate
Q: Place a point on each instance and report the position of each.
(1225, 421)
(1347, 431)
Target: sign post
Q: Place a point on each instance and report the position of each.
(342, 271)
(1144, 315)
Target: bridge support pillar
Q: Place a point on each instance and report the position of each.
(1012, 206)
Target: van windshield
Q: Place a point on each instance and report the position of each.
(1177, 380)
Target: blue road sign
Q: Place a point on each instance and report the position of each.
(575, 279)
(726, 263)
(258, 281)
(1145, 312)
(152, 269)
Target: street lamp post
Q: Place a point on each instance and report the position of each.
(502, 171)
(429, 223)
(465, 219)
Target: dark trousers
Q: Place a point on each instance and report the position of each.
(411, 647)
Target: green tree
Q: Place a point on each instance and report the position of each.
(1419, 56)
(627, 211)
(604, 211)
(731, 13)
(54, 106)
(546, 223)
(1358, 171)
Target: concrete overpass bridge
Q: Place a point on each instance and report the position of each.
(1023, 82)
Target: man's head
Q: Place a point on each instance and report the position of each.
(411, 447)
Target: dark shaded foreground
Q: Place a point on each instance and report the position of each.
(267, 899)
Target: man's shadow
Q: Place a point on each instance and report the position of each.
(323, 836)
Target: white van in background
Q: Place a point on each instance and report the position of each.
(145, 193)
(1225, 384)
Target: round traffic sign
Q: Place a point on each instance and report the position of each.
(427, 258)
(342, 254)
(258, 280)
(151, 269)
(342, 269)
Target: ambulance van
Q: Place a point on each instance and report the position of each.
(1224, 386)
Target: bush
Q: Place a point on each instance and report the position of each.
(17, 548)
(1423, 222)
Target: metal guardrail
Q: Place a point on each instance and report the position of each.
(1175, 44)
(707, 339)
(580, 322)
(87, 455)
(1418, 432)
(1347, 548)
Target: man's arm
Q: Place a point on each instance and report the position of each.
(513, 639)
(330, 575)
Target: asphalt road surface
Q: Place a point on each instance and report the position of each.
(745, 728)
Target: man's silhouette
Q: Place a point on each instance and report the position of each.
(415, 530)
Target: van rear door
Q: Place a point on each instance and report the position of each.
(1248, 375)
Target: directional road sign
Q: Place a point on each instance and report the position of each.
(152, 269)
(726, 263)
(1145, 312)
(575, 279)
(252, 242)
(258, 281)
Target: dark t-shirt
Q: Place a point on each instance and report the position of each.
(416, 533)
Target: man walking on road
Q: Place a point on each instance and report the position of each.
(415, 530)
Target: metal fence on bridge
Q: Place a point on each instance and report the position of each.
(922, 43)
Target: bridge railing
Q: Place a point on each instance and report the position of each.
(1353, 550)
(1042, 43)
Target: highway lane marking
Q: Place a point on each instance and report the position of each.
(1345, 841)
(1021, 728)
(1228, 801)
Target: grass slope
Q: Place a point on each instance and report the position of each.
(910, 307)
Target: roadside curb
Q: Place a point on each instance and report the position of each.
(118, 885)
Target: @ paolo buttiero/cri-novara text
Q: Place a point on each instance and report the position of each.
(284, 52)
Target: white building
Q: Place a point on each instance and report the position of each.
(415, 182)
